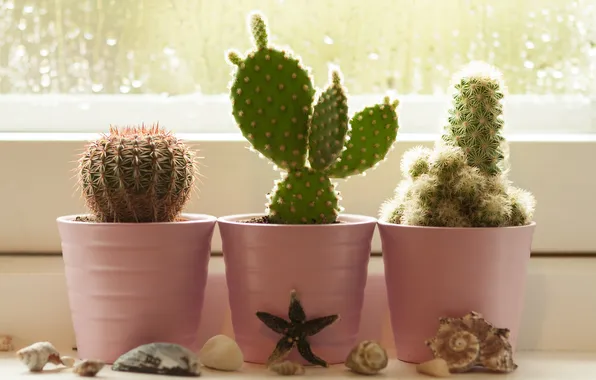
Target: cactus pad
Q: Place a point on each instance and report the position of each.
(372, 134)
(329, 125)
(136, 174)
(304, 197)
(272, 97)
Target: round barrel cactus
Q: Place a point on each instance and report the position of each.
(136, 174)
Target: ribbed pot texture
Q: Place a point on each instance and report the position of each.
(434, 272)
(135, 283)
(326, 264)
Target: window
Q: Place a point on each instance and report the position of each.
(107, 61)
(70, 67)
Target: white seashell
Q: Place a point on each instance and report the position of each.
(159, 358)
(68, 361)
(88, 368)
(287, 368)
(436, 367)
(37, 355)
(6, 343)
(222, 353)
(367, 358)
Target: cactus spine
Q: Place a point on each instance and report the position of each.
(462, 182)
(136, 174)
(304, 133)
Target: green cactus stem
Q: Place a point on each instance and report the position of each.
(462, 182)
(137, 175)
(304, 196)
(306, 133)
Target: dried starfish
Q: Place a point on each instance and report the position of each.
(295, 331)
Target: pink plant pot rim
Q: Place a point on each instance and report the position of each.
(347, 219)
(387, 224)
(191, 218)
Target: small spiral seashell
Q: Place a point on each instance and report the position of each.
(88, 368)
(6, 343)
(459, 347)
(37, 355)
(367, 358)
(287, 368)
(472, 341)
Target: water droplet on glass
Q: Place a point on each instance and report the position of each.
(96, 87)
(373, 56)
(28, 9)
(22, 24)
(169, 51)
(545, 37)
(111, 41)
(20, 51)
(124, 89)
(45, 80)
(44, 52)
(529, 64)
(73, 33)
(328, 40)
(529, 45)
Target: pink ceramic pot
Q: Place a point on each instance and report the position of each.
(431, 272)
(326, 264)
(135, 283)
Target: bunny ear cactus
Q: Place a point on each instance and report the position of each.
(136, 175)
(462, 182)
(308, 135)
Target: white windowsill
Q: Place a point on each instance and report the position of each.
(559, 309)
(532, 365)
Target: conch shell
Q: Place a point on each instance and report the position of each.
(367, 358)
(37, 355)
(471, 341)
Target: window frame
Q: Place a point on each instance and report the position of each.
(549, 164)
(212, 114)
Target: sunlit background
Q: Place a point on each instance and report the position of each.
(177, 46)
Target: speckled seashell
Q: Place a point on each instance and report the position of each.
(287, 368)
(456, 344)
(37, 355)
(88, 368)
(6, 343)
(494, 352)
(161, 359)
(367, 358)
